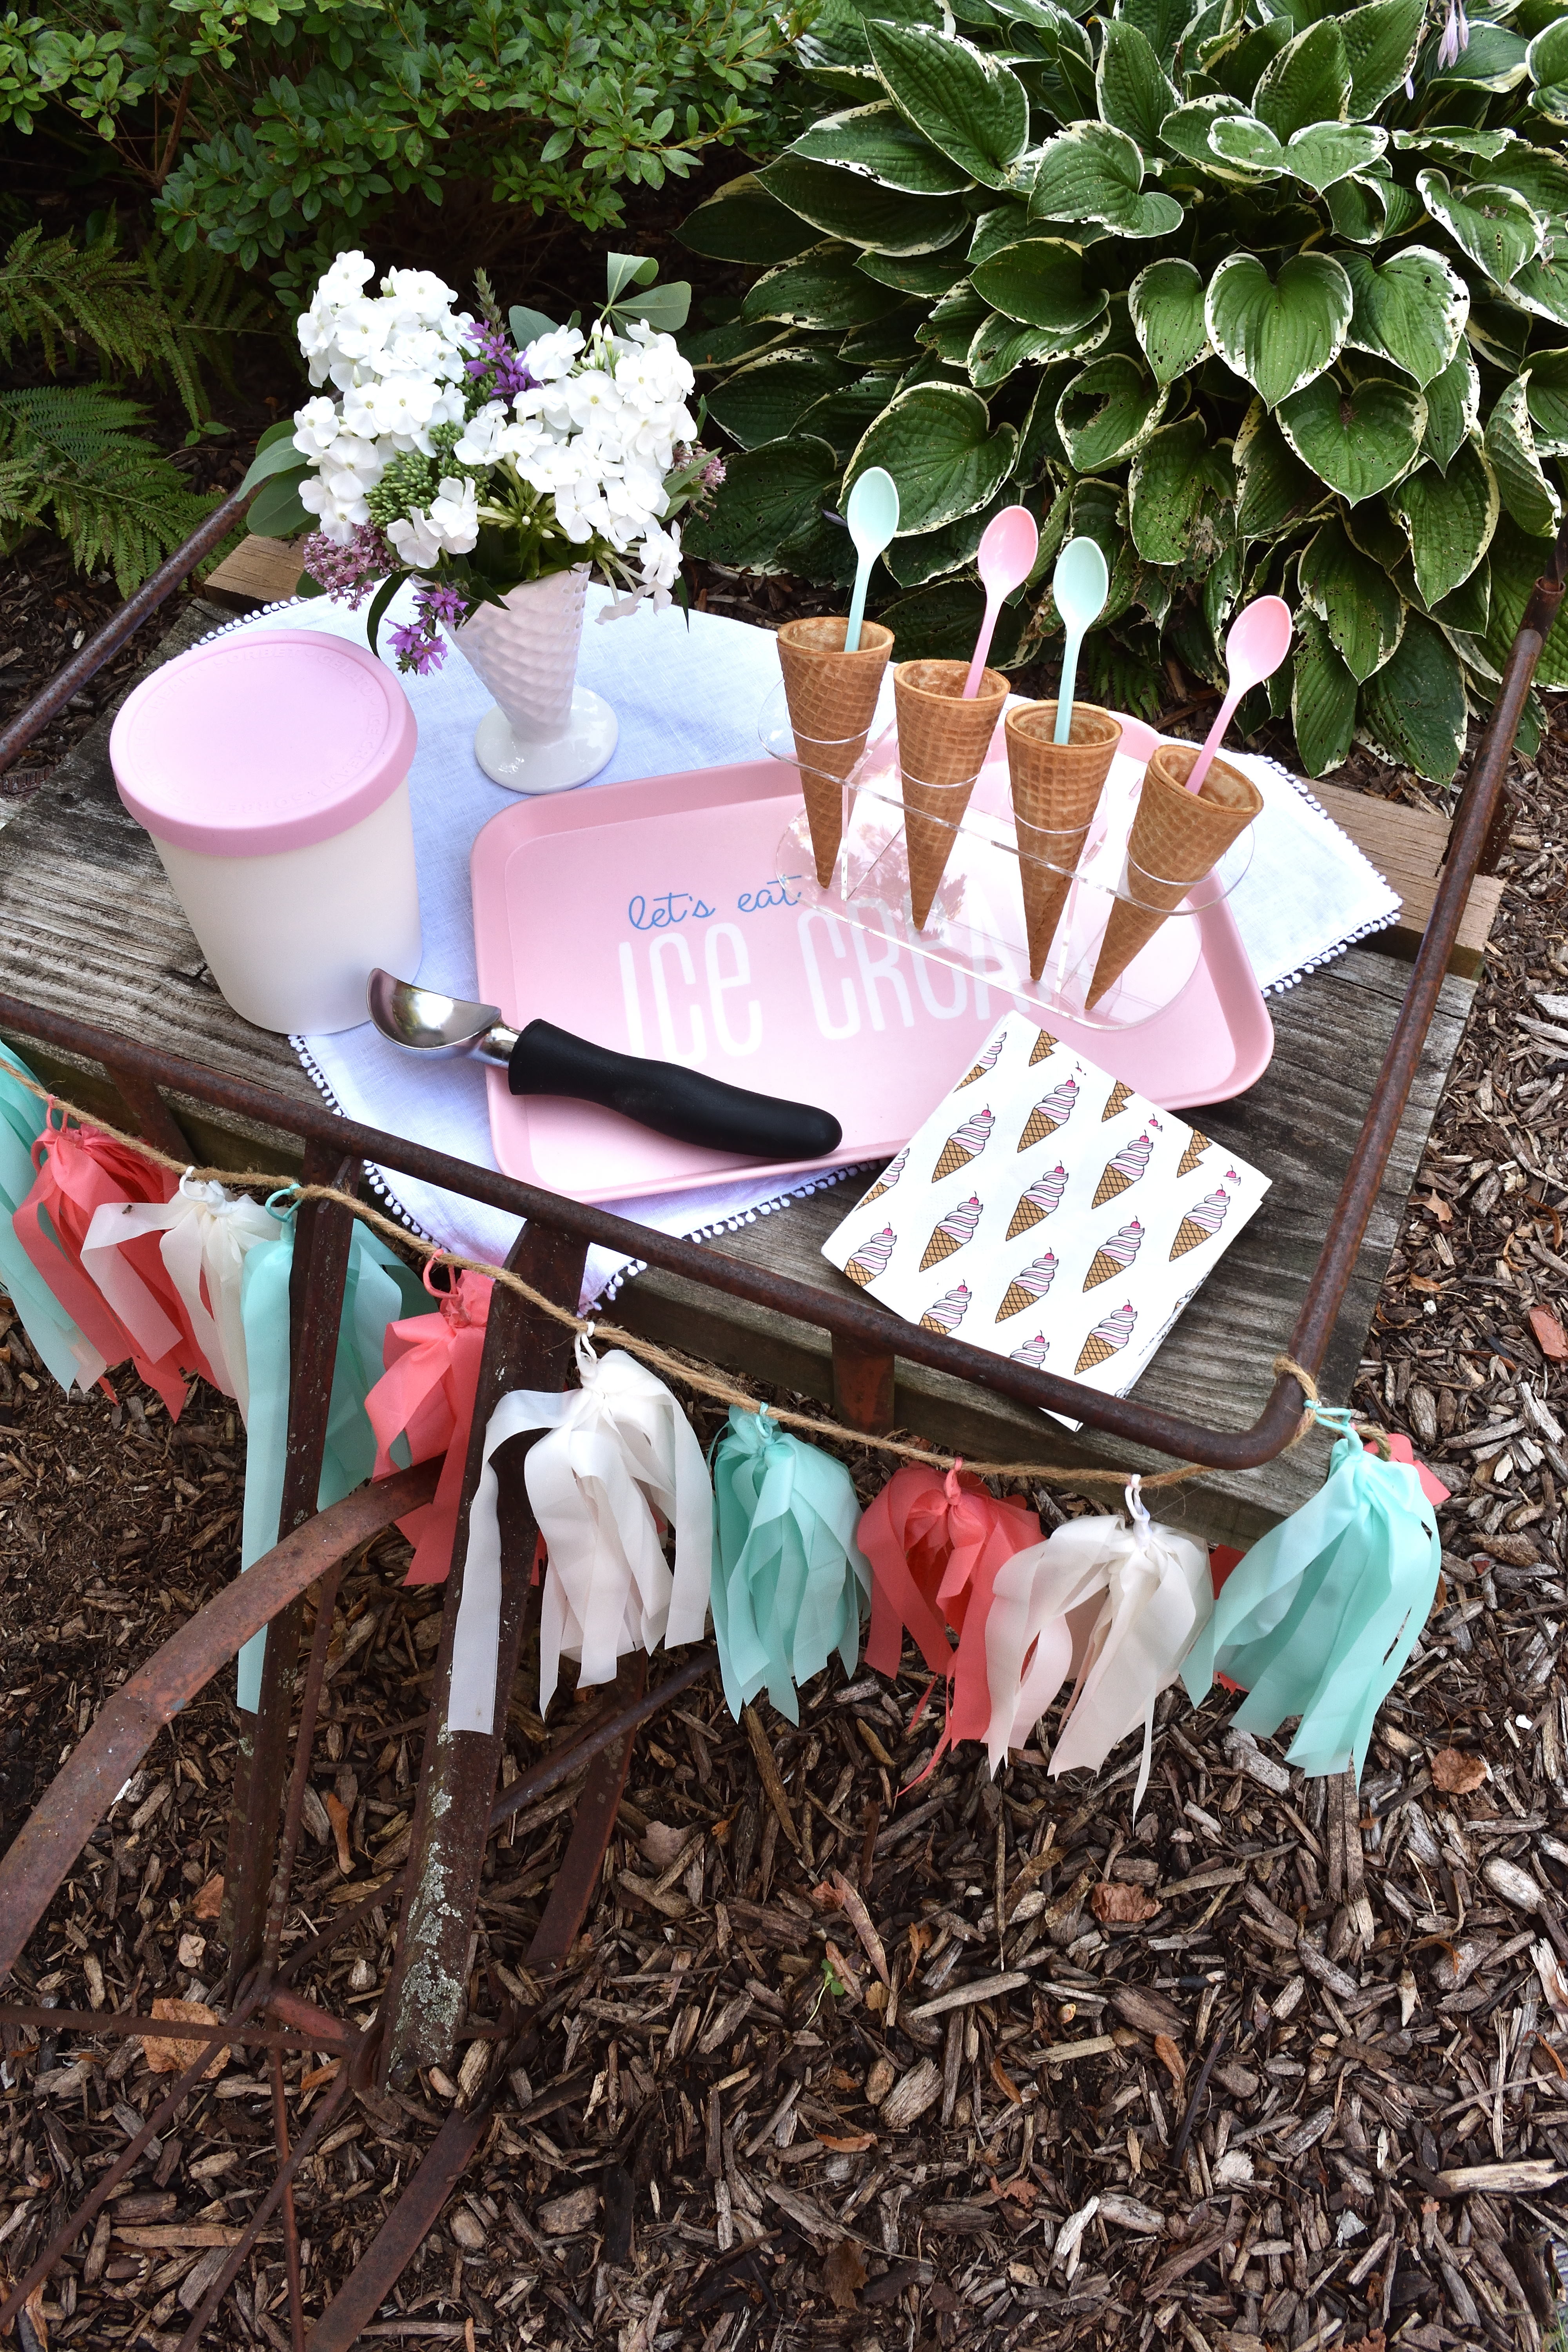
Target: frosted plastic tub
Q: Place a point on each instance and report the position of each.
(272, 772)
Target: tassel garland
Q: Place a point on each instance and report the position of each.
(423, 1405)
(55, 1337)
(1322, 1612)
(791, 1577)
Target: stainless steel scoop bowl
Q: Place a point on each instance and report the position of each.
(442, 1027)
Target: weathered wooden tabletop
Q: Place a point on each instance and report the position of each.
(90, 925)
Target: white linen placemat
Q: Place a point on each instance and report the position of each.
(688, 692)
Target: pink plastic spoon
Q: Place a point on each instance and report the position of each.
(1006, 557)
(1258, 642)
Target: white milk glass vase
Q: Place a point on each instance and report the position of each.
(545, 732)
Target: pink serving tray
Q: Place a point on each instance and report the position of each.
(651, 917)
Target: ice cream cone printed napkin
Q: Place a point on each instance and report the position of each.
(1047, 1213)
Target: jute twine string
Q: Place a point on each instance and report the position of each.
(704, 1379)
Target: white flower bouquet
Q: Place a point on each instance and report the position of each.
(472, 459)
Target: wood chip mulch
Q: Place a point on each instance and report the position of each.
(1272, 2065)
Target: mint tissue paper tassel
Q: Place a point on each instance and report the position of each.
(379, 1289)
(61, 1342)
(791, 1583)
(1319, 1617)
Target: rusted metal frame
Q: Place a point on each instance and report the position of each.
(122, 2023)
(863, 1380)
(552, 1771)
(155, 1122)
(537, 1780)
(130, 1720)
(322, 1234)
(336, 2094)
(456, 1782)
(119, 627)
(419, 2209)
(292, 2268)
(1467, 839)
(575, 1882)
(854, 1317)
(299, 1777)
(98, 2196)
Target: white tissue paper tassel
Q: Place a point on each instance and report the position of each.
(207, 1235)
(1152, 1590)
(614, 1451)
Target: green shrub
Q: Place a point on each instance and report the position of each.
(284, 130)
(1202, 279)
(71, 461)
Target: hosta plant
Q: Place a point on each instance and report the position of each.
(1261, 296)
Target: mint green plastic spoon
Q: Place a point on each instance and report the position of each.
(1080, 586)
(872, 515)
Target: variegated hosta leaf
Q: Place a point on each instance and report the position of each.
(1274, 492)
(876, 142)
(844, 205)
(1093, 173)
(1381, 42)
(967, 103)
(1039, 281)
(1322, 154)
(1355, 599)
(1494, 226)
(1308, 81)
(1107, 412)
(1413, 711)
(1359, 439)
(1180, 495)
(1279, 333)
(1134, 90)
(1510, 444)
(1166, 304)
(936, 441)
(1450, 519)
(1547, 399)
(1411, 311)
(1323, 696)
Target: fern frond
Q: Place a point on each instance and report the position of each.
(71, 462)
(158, 313)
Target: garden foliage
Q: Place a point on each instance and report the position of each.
(1262, 296)
(281, 130)
(72, 460)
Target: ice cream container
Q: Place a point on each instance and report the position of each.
(271, 769)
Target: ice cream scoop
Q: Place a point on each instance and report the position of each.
(540, 1059)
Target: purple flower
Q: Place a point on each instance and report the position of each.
(498, 359)
(416, 649)
(348, 573)
(712, 474)
(1455, 37)
(439, 603)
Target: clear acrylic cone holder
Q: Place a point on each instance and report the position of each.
(977, 924)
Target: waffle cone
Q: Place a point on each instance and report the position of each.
(1189, 1233)
(942, 743)
(1094, 1351)
(1027, 1213)
(1038, 1125)
(1176, 837)
(1117, 1100)
(954, 1157)
(1043, 1044)
(858, 1272)
(1110, 1183)
(832, 697)
(1194, 1152)
(1055, 790)
(940, 1246)
(1102, 1266)
(1014, 1299)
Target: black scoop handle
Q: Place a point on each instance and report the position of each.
(668, 1099)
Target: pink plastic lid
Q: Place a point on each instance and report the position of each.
(265, 740)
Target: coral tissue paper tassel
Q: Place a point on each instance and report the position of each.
(937, 1546)
(614, 1451)
(79, 1170)
(425, 1397)
(207, 1237)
